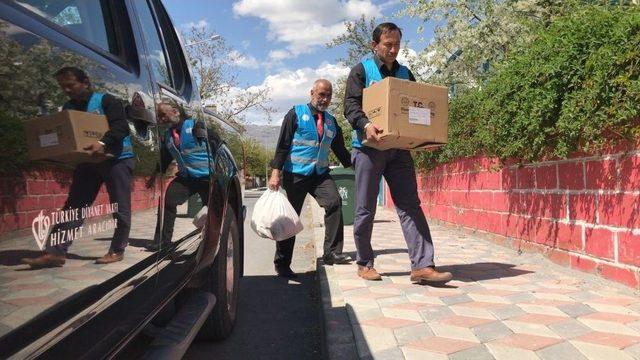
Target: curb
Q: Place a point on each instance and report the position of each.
(338, 340)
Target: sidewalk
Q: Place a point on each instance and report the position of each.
(500, 305)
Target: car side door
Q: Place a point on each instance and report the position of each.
(173, 85)
(80, 309)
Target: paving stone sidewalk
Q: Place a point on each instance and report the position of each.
(500, 305)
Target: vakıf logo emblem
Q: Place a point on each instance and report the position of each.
(344, 193)
(40, 228)
(305, 117)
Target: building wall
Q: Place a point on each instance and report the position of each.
(583, 212)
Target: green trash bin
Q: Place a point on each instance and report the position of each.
(194, 205)
(346, 183)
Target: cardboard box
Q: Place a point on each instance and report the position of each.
(412, 115)
(63, 135)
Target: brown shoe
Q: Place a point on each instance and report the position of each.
(368, 273)
(430, 275)
(110, 257)
(45, 261)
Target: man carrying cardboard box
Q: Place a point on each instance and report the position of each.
(114, 172)
(394, 164)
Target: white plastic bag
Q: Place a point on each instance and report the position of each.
(274, 217)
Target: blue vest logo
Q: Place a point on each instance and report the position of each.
(309, 154)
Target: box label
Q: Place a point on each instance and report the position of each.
(419, 116)
(406, 102)
(47, 140)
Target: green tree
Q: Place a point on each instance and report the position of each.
(337, 109)
(357, 39)
(472, 35)
(575, 87)
(257, 157)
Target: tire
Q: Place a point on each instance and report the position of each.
(222, 281)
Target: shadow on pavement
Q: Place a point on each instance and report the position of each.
(277, 319)
(12, 257)
(483, 271)
(135, 242)
(339, 337)
(475, 272)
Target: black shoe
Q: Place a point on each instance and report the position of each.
(285, 272)
(334, 258)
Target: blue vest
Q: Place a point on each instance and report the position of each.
(95, 106)
(191, 156)
(372, 75)
(310, 155)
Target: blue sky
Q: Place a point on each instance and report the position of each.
(282, 41)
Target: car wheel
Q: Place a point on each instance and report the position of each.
(222, 280)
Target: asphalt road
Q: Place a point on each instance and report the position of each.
(277, 318)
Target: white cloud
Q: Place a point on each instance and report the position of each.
(305, 25)
(243, 61)
(291, 87)
(279, 55)
(390, 4)
(198, 25)
(356, 8)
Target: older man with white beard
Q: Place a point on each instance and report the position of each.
(302, 158)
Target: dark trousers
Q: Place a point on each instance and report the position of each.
(180, 190)
(324, 190)
(87, 179)
(398, 170)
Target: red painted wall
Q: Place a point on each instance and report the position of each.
(582, 212)
(22, 197)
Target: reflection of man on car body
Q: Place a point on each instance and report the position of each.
(185, 141)
(115, 172)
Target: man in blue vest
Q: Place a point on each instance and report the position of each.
(115, 173)
(302, 156)
(185, 142)
(395, 165)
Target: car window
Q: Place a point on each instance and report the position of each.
(177, 61)
(89, 20)
(157, 55)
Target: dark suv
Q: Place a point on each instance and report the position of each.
(86, 265)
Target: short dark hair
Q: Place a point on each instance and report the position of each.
(384, 28)
(72, 70)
